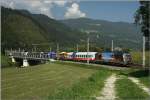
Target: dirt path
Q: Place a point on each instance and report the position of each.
(108, 92)
(136, 81)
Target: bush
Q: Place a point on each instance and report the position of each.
(5, 61)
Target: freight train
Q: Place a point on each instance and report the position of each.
(116, 57)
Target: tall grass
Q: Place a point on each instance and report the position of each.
(127, 90)
(137, 57)
(85, 89)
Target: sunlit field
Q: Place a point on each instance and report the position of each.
(38, 82)
(61, 80)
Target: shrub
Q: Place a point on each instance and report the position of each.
(5, 61)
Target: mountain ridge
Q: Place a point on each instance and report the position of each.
(21, 29)
(117, 31)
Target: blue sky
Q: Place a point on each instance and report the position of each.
(113, 11)
(109, 10)
(65, 9)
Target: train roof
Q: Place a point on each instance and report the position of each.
(85, 53)
(70, 53)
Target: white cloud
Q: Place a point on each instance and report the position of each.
(60, 3)
(34, 6)
(74, 12)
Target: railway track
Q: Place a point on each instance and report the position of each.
(98, 65)
(139, 66)
(111, 66)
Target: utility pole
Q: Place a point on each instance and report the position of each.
(50, 49)
(112, 45)
(77, 48)
(88, 50)
(35, 48)
(57, 51)
(143, 51)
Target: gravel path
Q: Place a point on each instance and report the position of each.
(136, 81)
(108, 92)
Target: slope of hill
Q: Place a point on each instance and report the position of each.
(124, 34)
(20, 28)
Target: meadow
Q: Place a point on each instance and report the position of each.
(65, 81)
(40, 81)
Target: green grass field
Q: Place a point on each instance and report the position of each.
(127, 90)
(40, 81)
(61, 80)
(86, 89)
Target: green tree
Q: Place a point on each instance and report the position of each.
(142, 18)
